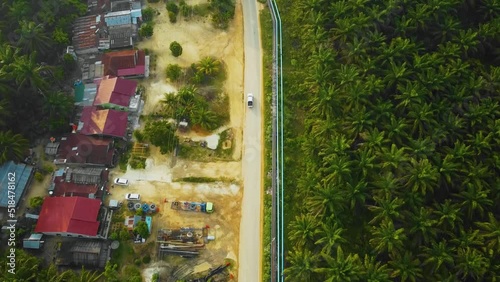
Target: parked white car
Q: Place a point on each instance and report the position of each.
(121, 181)
(133, 197)
(250, 100)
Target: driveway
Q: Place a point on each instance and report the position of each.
(250, 260)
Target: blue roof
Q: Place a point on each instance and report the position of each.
(136, 14)
(59, 172)
(19, 175)
(118, 20)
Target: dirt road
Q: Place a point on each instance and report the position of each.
(250, 260)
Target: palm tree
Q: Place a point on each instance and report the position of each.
(467, 239)
(303, 230)
(12, 146)
(386, 238)
(336, 168)
(374, 140)
(326, 199)
(387, 185)
(303, 262)
(394, 158)
(88, 276)
(491, 231)
(475, 200)
(27, 73)
(4, 111)
(205, 118)
(422, 176)
(422, 226)
(341, 268)
(471, 264)
(406, 267)
(448, 215)
(438, 257)
(59, 107)
(386, 209)
(374, 271)
(51, 274)
(209, 66)
(330, 234)
(32, 38)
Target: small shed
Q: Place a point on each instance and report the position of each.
(51, 148)
(33, 242)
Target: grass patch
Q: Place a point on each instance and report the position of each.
(195, 179)
(124, 255)
(194, 152)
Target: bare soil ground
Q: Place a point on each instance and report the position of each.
(156, 183)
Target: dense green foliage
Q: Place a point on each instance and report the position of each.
(173, 72)
(188, 104)
(222, 12)
(175, 48)
(161, 134)
(29, 268)
(146, 30)
(393, 140)
(34, 33)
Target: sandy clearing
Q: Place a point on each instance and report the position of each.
(155, 183)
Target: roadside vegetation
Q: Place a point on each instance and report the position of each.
(221, 12)
(266, 29)
(392, 140)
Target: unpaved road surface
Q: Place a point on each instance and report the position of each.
(250, 260)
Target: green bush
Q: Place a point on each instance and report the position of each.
(148, 14)
(146, 259)
(139, 136)
(137, 262)
(39, 176)
(172, 17)
(146, 30)
(173, 72)
(124, 235)
(172, 7)
(139, 212)
(114, 236)
(36, 202)
(176, 48)
(153, 1)
(48, 168)
(69, 62)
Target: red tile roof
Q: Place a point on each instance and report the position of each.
(125, 63)
(115, 90)
(74, 215)
(79, 148)
(104, 122)
(63, 188)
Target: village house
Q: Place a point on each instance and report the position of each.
(82, 150)
(79, 182)
(73, 217)
(126, 64)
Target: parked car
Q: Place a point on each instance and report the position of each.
(133, 197)
(121, 181)
(250, 100)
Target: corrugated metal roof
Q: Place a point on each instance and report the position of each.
(13, 175)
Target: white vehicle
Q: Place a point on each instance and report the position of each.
(250, 100)
(133, 197)
(121, 181)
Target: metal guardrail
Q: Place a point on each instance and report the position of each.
(277, 226)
